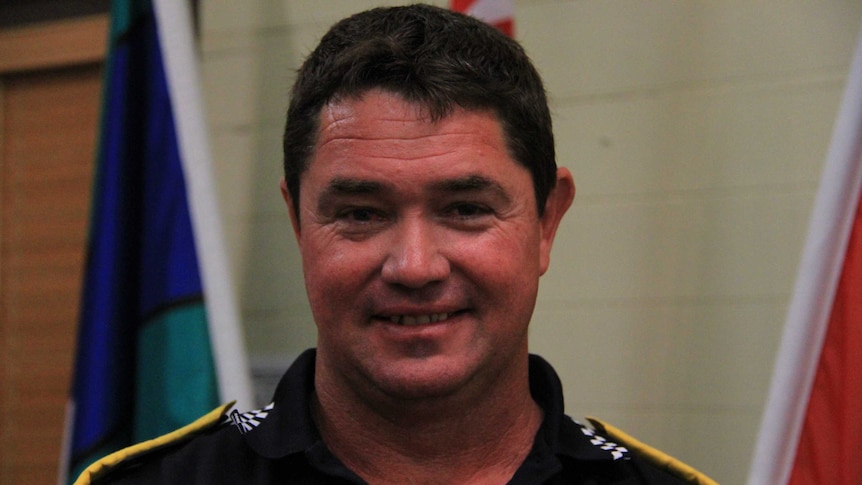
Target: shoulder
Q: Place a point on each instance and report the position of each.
(155, 450)
(651, 457)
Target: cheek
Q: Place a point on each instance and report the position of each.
(506, 260)
(326, 273)
(515, 245)
(334, 271)
(332, 293)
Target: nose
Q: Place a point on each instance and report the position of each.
(414, 258)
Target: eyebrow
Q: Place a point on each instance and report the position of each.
(343, 186)
(472, 183)
(347, 186)
(467, 183)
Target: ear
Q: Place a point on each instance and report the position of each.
(558, 203)
(294, 216)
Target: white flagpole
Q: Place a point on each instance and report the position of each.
(174, 22)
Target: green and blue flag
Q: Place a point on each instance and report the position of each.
(147, 361)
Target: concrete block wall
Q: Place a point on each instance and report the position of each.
(696, 132)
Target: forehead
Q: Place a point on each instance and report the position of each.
(384, 109)
(379, 144)
(383, 125)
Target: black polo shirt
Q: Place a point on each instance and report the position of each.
(281, 444)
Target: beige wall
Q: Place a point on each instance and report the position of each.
(696, 132)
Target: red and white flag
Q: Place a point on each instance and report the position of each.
(811, 431)
(499, 13)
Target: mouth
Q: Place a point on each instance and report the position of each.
(415, 320)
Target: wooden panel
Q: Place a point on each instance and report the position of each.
(49, 131)
(54, 44)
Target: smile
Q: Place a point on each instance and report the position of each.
(418, 319)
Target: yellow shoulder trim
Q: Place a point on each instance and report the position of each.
(102, 466)
(658, 458)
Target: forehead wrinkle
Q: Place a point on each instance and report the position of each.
(397, 149)
(374, 135)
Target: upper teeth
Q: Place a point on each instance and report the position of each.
(418, 319)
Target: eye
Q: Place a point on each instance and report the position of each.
(468, 210)
(360, 215)
(359, 222)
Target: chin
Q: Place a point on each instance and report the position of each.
(425, 392)
(425, 379)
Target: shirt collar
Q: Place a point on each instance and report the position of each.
(287, 426)
(559, 434)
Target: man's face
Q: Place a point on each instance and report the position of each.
(422, 248)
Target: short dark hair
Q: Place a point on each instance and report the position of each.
(433, 57)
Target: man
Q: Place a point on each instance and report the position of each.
(421, 183)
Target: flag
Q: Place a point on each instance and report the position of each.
(159, 342)
(811, 432)
(499, 13)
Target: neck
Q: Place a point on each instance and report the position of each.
(482, 439)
